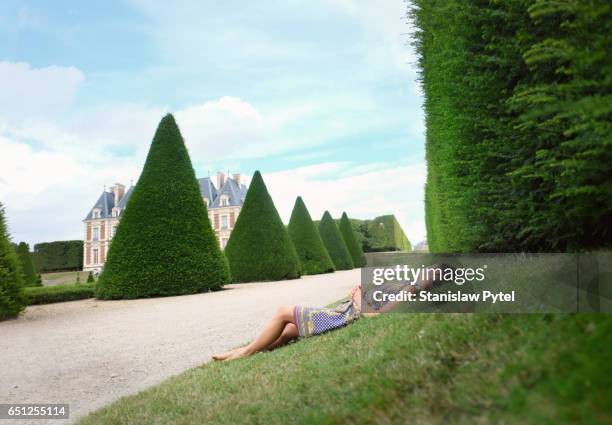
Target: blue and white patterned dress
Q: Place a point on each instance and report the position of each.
(317, 320)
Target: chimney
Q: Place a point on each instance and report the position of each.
(220, 180)
(236, 178)
(119, 190)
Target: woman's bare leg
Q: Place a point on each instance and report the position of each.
(290, 333)
(269, 334)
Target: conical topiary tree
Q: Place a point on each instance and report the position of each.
(12, 298)
(164, 244)
(334, 243)
(27, 266)
(348, 234)
(310, 248)
(259, 247)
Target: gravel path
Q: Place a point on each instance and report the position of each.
(89, 353)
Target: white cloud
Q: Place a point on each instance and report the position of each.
(224, 128)
(42, 91)
(363, 193)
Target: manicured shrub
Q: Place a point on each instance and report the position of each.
(164, 244)
(334, 243)
(348, 234)
(25, 259)
(386, 234)
(310, 248)
(518, 100)
(90, 278)
(259, 247)
(58, 256)
(12, 298)
(59, 293)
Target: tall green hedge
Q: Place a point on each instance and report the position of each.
(332, 238)
(58, 256)
(25, 259)
(348, 234)
(12, 298)
(164, 244)
(313, 255)
(259, 247)
(518, 108)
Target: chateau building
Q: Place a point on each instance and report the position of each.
(223, 201)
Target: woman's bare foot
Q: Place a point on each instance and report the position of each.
(238, 354)
(224, 356)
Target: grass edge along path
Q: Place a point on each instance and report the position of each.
(426, 368)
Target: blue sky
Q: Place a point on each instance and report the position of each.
(320, 96)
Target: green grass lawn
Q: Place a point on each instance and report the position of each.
(61, 278)
(401, 368)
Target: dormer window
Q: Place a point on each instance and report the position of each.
(206, 202)
(95, 214)
(224, 201)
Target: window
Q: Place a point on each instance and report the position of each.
(224, 201)
(113, 231)
(224, 222)
(96, 214)
(114, 213)
(223, 242)
(95, 255)
(96, 232)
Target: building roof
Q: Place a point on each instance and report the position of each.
(123, 202)
(208, 189)
(235, 192)
(106, 203)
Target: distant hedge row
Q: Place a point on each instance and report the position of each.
(384, 233)
(58, 256)
(518, 105)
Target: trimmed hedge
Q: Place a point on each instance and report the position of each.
(384, 233)
(259, 247)
(348, 234)
(334, 243)
(25, 258)
(518, 111)
(58, 256)
(59, 293)
(164, 244)
(310, 248)
(12, 298)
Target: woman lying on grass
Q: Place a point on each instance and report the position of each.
(293, 321)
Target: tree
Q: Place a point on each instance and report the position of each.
(310, 248)
(164, 244)
(12, 297)
(334, 243)
(90, 278)
(348, 234)
(58, 256)
(259, 247)
(27, 266)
